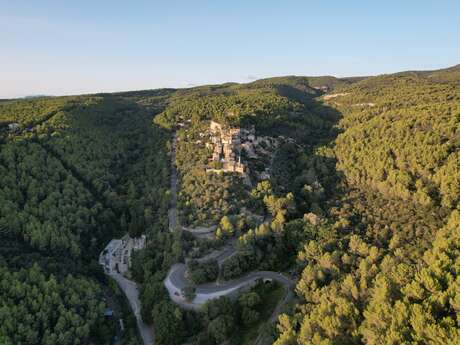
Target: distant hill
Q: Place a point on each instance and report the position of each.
(324, 83)
(449, 74)
(357, 181)
(35, 96)
(446, 74)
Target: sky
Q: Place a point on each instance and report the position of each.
(73, 47)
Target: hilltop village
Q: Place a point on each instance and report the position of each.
(227, 144)
(351, 197)
(236, 149)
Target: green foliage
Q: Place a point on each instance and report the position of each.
(43, 204)
(405, 145)
(47, 310)
(205, 198)
(275, 110)
(189, 293)
(248, 302)
(238, 321)
(80, 171)
(202, 272)
(382, 270)
(369, 217)
(64, 187)
(151, 266)
(221, 328)
(422, 306)
(168, 323)
(235, 107)
(226, 228)
(29, 113)
(306, 84)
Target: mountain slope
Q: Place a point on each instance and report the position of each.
(352, 188)
(369, 277)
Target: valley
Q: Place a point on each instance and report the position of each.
(288, 210)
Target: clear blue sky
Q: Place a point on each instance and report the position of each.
(66, 47)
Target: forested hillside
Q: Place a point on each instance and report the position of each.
(74, 179)
(277, 108)
(77, 172)
(37, 308)
(385, 270)
(352, 193)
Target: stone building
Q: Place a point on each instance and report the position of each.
(116, 257)
(227, 144)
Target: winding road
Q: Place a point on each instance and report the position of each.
(222, 254)
(131, 292)
(176, 280)
(202, 231)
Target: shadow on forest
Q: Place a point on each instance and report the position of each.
(80, 139)
(310, 167)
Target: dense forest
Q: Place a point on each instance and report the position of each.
(374, 188)
(361, 210)
(77, 172)
(276, 108)
(385, 269)
(39, 308)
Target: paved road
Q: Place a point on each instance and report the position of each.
(176, 281)
(202, 232)
(131, 292)
(201, 229)
(221, 254)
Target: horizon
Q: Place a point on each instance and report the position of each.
(60, 49)
(224, 82)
